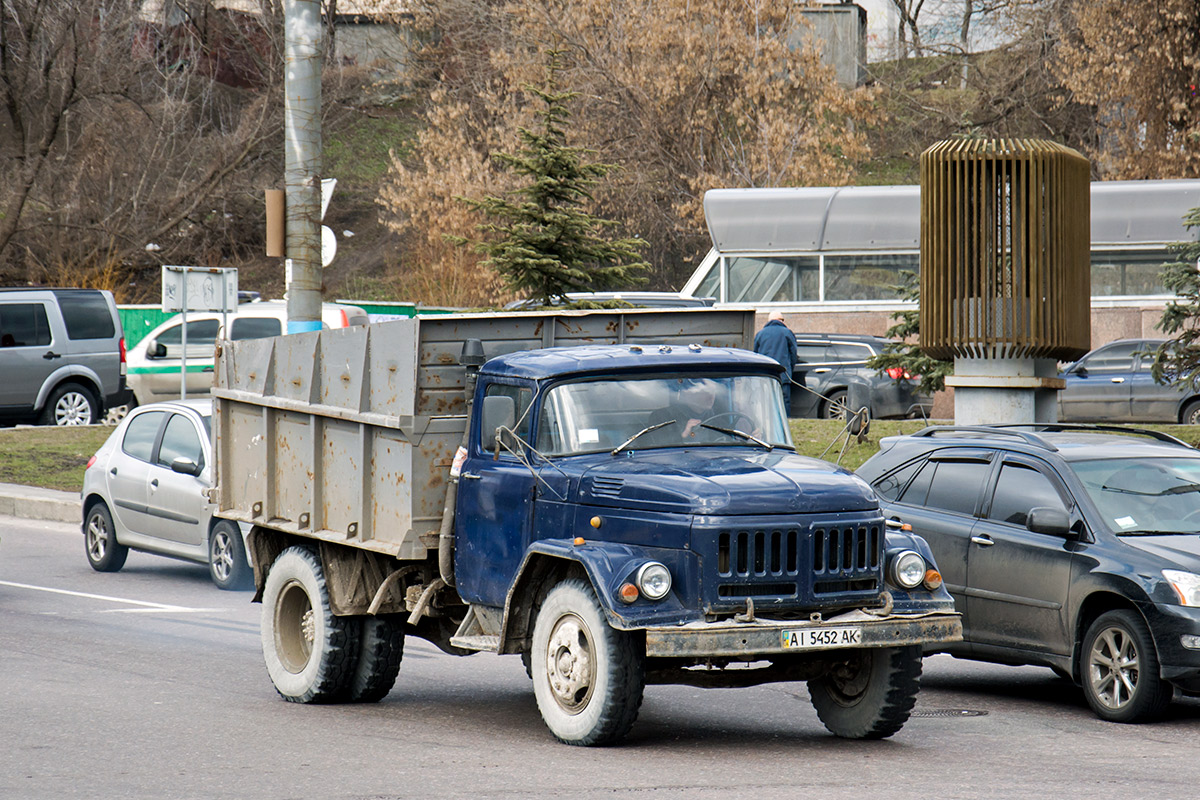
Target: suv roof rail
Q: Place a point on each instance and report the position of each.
(987, 430)
(1060, 427)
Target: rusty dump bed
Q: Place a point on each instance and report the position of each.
(347, 435)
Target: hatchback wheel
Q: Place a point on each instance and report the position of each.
(1191, 413)
(1120, 669)
(104, 552)
(227, 557)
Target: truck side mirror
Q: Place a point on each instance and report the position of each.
(156, 350)
(1053, 521)
(498, 411)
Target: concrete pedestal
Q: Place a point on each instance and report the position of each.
(989, 390)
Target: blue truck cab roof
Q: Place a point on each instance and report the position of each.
(625, 359)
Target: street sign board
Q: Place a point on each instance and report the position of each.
(199, 289)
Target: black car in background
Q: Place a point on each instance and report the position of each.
(829, 364)
(1113, 384)
(1067, 546)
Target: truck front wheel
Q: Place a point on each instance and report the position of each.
(310, 653)
(869, 695)
(587, 677)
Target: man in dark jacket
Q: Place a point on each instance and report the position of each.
(776, 341)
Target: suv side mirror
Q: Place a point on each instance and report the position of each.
(156, 349)
(498, 411)
(1053, 521)
(1079, 370)
(186, 466)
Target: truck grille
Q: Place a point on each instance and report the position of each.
(817, 565)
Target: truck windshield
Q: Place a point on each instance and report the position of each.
(596, 415)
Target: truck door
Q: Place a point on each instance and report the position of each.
(494, 517)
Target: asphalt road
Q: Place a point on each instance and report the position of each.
(149, 683)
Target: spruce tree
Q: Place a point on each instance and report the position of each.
(541, 239)
(1177, 361)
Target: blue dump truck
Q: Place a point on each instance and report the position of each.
(613, 496)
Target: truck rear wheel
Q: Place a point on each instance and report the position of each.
(381, 647)
(587, 677)
(870, 695)
(310, 653)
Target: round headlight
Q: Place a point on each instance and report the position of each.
(654, 580)
(908, 569)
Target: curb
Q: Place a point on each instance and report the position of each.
(34, 502)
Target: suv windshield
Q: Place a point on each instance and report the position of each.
(1143, 495)
(591, 416)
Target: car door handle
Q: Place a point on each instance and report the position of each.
(983, 541)
(1117, 380)
(469, 476)
(207, 369)
(112, 471)
(154, 483)
(50, 354)
(820, 370)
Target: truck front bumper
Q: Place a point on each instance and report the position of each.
(772, 637)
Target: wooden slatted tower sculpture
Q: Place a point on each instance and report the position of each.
(1005, 273)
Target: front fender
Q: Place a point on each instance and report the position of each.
(608, 565)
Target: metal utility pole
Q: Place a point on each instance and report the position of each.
(302, 164)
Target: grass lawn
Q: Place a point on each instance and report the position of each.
(55, 458)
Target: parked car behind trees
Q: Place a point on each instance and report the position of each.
(1114, 383)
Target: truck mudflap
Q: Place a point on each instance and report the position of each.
(853, 629)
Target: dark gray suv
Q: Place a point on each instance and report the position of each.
(830, 364)
(1073, 547)
(62, 356)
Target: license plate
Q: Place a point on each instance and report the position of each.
(814, 638)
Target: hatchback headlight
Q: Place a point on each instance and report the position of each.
(654, 580)
(1186, 584)
(907, 569)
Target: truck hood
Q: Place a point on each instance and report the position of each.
(723, 481)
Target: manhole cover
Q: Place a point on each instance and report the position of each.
(949, 712)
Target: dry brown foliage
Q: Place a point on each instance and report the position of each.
(683, 97)
(1139, 65)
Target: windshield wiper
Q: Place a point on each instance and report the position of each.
(1156, 533)
(1181, 489)
(738, 434)
(642, 432)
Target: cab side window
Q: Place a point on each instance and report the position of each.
(1020, 488)
(141, 433)
(200, 333)
(521, 396)
(180, 440)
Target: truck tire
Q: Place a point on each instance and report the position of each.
(227, 563)
(104, 552)
(1120, 671)
(309, 652)
(870, 695)
(381, 647)
(587, 676)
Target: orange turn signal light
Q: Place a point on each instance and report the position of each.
(628, 593)
(933, 579)
(578, 541)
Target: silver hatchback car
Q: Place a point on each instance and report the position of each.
(145, 489)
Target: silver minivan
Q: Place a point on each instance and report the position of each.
(62, 356)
